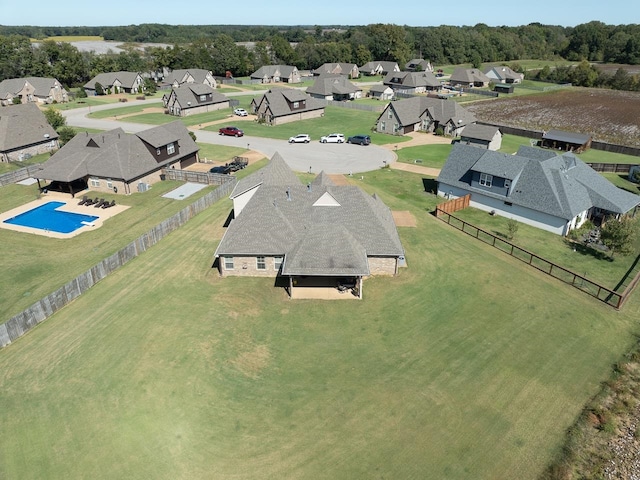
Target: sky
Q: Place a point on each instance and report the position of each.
(326, 12)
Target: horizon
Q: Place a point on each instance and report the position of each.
(278, 13)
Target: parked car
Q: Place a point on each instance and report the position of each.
(359, 139)
(241, 112)
(231, 131)
(301, 138)
(222, 169)
(333, 138)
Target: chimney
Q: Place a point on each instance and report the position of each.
(309, 187)
(288, 194)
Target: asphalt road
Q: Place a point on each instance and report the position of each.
(314, 156)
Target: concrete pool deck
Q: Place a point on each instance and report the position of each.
(71, 205)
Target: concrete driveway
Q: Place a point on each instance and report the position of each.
(314, 156)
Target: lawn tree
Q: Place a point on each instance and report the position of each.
(54, 118)
(65, 133)
(99, 89)
(512, 228)
(619, 235)
(149, 86)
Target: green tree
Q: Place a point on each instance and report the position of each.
(619, 235)
(65, 133)
(99, 88)
(512, 228)
(389, 42)
(149, 86)
(54, 118)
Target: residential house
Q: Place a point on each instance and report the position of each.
(186, 76)
(277, 73)
(569, 141)
(318, 235)
(483, 136)
(557, 193)
(381, 92)
(24, 131)
(349, 70)
(42, 90)
(418, 65)
(192, 98)
(378, 68)
(115, 82)
(469, 77)
(334, 87)
(423, 114)
(118, 162)
(412, 82)
(503, 74)
(284, 105)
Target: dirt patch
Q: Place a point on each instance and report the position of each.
(607, 115)
(404, 218)
(339, 179)
(418, 138)
(409, 167)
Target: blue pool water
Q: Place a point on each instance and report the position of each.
(46, 217)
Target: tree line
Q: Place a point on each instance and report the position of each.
(217, 48)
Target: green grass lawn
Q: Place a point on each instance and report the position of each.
(219, 153)
(433, 156)
(350, 122)
(12, 166)
(124, 110)
(468, 365)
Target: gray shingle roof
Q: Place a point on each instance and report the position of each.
(279, 99)
(23, 125)
(315, 239)
(559, 185)
(469, 75)
(127, 79)
(409, 111)
(411, 79)
(116, 154)
(327, 84)
(569, 137)
(11, 86)
(190, 93)
(480, 132)
(269, 71)
(178, 76)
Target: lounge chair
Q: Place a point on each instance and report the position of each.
(99, 203)
(90, 201)
(84, 200)
(109, 204)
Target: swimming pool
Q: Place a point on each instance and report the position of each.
(46, 217)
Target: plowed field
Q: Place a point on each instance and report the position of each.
(608, 115)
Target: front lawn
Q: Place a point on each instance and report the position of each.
(433, 156)
(468, 365)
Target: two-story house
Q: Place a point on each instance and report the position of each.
(115, 82)
(43, 90)
(283, 105)
(183, 76)
(192, 98)
(24, 130)
(276, 73)
(412, 82)
(349, 70)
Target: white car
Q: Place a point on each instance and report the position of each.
(241, 112)
(333, 138)
(301, 138)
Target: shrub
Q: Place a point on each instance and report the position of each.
(439, 131)
(512, 228)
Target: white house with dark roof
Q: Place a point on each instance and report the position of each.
(381, 92)
(284, 105)
(483, 136)
(423, 114)
(183, 76)
(191, 98)
(317, 235)
(334, 87)
(118, 162)
(24, 130)
(412, 82)
(43, 90)
(277, 73)
(503, 74)
(557, 193)
(115, 82)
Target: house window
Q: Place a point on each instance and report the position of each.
(171, 149)
(486, 179)
(94, 182)
(396, 127)
(228, 263)
(383, 126)
(296, 104)
(203, 98)
(507, 183)
(277, 263)
(109, 184)
(390, 114)
(261, 263)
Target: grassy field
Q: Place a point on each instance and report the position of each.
(433, 156)
(466, 366)
(219, 153)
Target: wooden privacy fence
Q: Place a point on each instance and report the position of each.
(197, 177)
(612, 167)
(18, 175)
(20, 324)
(454, 205)
(602, 293)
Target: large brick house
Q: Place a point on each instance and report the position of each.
(43, 90)
(314, 235)
(24, 130)
(284, 105)
(191, 98)
(115, 82)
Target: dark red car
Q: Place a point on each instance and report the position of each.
(231, 131)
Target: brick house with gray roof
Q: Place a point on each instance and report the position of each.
(412, 82)
(418, 65)
(503, 74)
(349, 70)
(423, 114)
(115, 82)
(379, 68)
(314, 235)
(469, 77)
(118, 162)
(284, 105)
(276, 73)
(191, 98)
(43, 90)
(182, 76)
(24, 130)
(334, 87)
(557, 193)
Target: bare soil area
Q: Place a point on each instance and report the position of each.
(608, 115)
